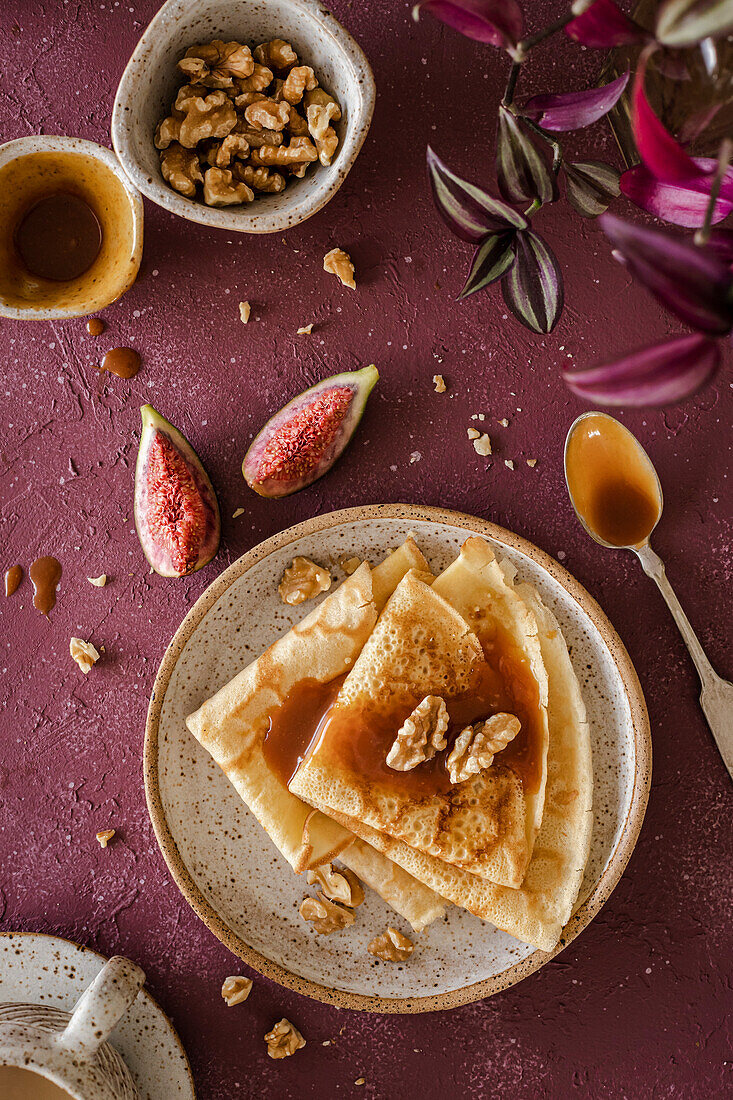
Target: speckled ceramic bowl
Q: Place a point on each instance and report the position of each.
(225, 864)
(149, 82)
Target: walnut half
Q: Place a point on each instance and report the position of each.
(283, 1040)
(338, 884)
(303, 580)
(236, 989)
(324, 915)
(476, 746)
(337, 262)
(421, 735)
(391, 946)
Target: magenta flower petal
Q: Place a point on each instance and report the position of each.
(720, 243)
(572, 110)
(690, 281)
(679, 203)
(495, 22)
(604, 25)
(664, 157)
(656, 375)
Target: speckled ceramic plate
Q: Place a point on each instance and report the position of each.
(225, 864)
(47, 970)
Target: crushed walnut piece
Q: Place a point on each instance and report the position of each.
(222, 189)
(283, 1040)
(305, 330)
(325, 916)
(232, 110)
(237, 513)
(439, 383)
(349, 565)
(83, 653)
(532, 462)
(302, 581)
(476, 746)
(421, 735)
(245, 309)
(236, 989)
(181, 168)
(509, 463)
(338, 884)
(98, 582)
(482, 445)
(504, 422)
(338, 263)
(473, 433)
(391, 946)
(104, 837)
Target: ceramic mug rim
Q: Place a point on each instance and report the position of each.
(617, 859)
(16, 149)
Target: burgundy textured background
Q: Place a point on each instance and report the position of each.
(637, 1006)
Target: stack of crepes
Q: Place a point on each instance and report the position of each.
(304, 733)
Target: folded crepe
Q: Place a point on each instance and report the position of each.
(423, 646)
(537, 911)
(233, 726)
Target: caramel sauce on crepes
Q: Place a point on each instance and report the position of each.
(611, 481)
(360, 738)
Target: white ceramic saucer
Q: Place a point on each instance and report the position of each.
(48, 970)
(224, 862)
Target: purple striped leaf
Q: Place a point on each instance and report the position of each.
(663, 156)
(683, 203)
(686, 22)
(493, 258)
(533, 286)
(590, 186)
(720, 243)
(521, 170)
(690, 281)
(467, 210)
(494, 22)
(603, 25)
(656, 375)
(573, 110)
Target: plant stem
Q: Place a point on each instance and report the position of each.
(725, 152)
(511, 83)
(527, 44)
(555, 145)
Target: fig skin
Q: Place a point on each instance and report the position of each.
(292, 450)
(196, 507)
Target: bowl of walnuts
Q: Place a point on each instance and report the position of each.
(243, 116)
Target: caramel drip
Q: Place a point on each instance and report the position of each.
(45, 574)
(95, 326)
(124, 362)
(13, 577)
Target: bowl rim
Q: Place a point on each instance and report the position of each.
(246, 221)
(580, 918)
(65, 143)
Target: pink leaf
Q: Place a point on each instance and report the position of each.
(571, 110)
(664, 157)
(656, 375)
(604, 25)
(495, 22)
(679, 203)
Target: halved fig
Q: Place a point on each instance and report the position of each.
(176, 511)
(300, 443)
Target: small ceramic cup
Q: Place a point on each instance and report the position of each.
(71, 1051)
(150, 80)
(31, 168)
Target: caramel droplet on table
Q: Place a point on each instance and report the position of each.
(13, 577)
(95, 326)
(45, 574)
(124, 362)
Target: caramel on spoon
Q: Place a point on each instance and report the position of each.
(617, 496)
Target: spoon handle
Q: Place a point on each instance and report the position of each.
(716, 698)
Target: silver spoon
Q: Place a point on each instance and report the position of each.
(716, 698)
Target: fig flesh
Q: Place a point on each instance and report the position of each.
(301, 442)
(176, 511)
